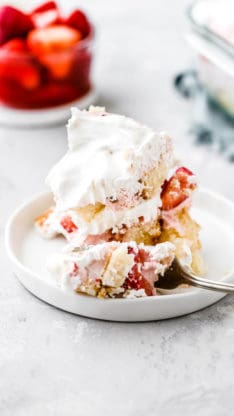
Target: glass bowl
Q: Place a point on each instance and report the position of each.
(40, 81)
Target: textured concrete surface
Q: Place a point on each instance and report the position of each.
(57, 364)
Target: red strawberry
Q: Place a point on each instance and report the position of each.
(52, 39)
(44, 7)
(59, 64)
(68, 224)
(13, 23)
(133, 279)
(45, 15)
(136, 281)
(16, 45)
(140, 255)
(75, 270)
(18, 67)
(144, 284)
(79, 21)
(177, 189)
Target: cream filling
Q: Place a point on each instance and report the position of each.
(106, 219)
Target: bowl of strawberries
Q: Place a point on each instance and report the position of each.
(45, 57)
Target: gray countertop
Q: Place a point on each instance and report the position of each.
(53, 363)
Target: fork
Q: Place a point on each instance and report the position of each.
(178, 274)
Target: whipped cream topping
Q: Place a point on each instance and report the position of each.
(107, 154)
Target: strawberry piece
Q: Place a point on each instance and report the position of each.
(52, 39)
(16, 45)
(58, 65)
(18, 67)
(52, 46)
(75, 270)
(46, 15)
(79, 21)
(140, 256)
(13, 23)
(144, 284)
(177, 189)
(48, 5)
(68, 224)
(133, 279)
(136, 281)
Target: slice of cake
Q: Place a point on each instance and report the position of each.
(108, 184)
(112, 269)
(118, 185)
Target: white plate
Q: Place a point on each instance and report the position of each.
(34, 118)
(28, 253)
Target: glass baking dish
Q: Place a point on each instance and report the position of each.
(212, 38)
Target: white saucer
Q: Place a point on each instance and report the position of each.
(28, 253)
(34, 118)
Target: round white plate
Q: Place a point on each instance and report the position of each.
(34, 118)
(28, 253)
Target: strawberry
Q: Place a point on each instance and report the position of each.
(133, 279)
(144, 284)
(18, 67)
(45, 15)
(16, 45)
(58, 65)
(136, 281)
(75, 270)
(13, 23)
(52, 39)
(79, 21)
(68, 224)
(177, 189)
(52, 47)
(140, 256)
(44, 7)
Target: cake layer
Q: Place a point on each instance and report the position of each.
(103, 219)
(112, 269)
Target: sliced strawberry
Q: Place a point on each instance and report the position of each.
(46, 15)
(75, 270)
(19, 68)
(136, 281)
(79, 21)
(44, 7)
(177, 189)
(133, 279)
(144, 284)
(68, 224)
(13, 23)
(52, 39)
(16, 45)
(59, 65)
(140, 255)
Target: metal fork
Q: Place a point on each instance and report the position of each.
(178, 274)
